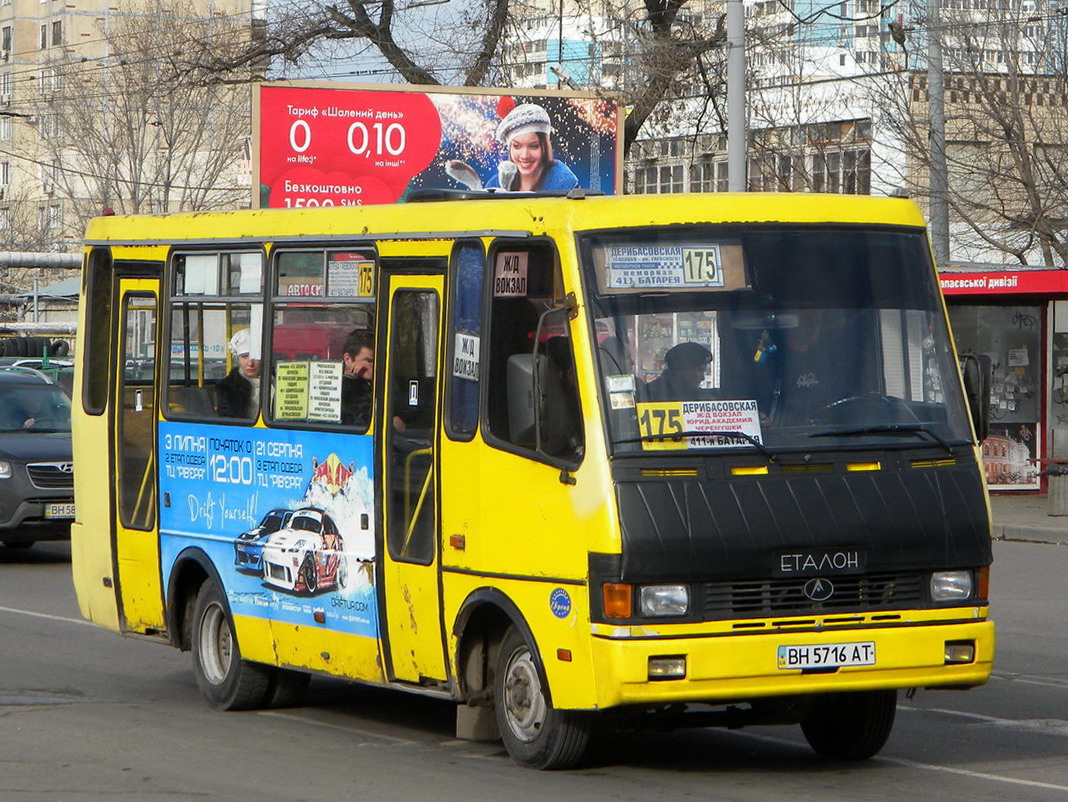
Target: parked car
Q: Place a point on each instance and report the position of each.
(61, 369)
(248, 546)
(36, 467)
(307, 556)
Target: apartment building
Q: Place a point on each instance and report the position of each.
(93, 113)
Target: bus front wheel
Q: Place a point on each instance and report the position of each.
(225, 680)
(850, 726)
(536, 734)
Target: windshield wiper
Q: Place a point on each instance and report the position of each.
(676, 437)
(886, 428)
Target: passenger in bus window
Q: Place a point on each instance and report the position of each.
(685, 366)
(358, 359)
(238, 394)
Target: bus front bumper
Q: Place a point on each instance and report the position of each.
(660, 667)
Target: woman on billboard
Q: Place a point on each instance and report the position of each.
(525, 133)
(530, 166)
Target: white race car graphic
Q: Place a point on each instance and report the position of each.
(307, 556)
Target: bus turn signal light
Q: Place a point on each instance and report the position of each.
(617, 600)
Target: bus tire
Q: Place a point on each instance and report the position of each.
(536, 734)
(850, 726)
(224, 679)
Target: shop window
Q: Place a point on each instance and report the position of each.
(1011, 337)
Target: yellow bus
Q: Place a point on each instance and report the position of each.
(653, 460)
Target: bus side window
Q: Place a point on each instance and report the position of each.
(216, 313)
(532, 395)
(466, 272)
(322, 354)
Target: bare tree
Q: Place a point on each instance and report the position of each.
(666, 47)
(1006, 135)
(142, 130)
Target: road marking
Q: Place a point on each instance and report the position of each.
(1030, 679)
(341, 727)
(1043, 726)
(979, 775)
(32, 614)
(912, 764)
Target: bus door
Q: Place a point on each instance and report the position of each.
(411, 580)
(133, 436)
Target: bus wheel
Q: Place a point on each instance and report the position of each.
(850, 726)
(225, 680)
(536, 735)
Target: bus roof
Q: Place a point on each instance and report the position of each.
(513, 217)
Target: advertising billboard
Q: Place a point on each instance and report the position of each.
(343, 145)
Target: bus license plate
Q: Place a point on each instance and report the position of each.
(59, 510)
(827, 655)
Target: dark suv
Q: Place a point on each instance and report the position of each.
(36, 471)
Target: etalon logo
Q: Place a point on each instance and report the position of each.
(818, 590)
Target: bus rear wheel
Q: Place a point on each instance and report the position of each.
(225, 680)
(536, 734)
(850, 726)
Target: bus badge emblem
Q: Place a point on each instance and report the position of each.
(818, 590)
(560, 603)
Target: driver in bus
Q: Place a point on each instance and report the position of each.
(685, 366)
(238, 394)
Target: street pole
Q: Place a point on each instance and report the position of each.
(736, 125)
(939, 178)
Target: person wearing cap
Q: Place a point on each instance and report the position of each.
(525, 133)
(685, 365)
(238, 394)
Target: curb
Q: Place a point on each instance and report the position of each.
(1030, 534)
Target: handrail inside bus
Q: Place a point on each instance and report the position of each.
(409, 517)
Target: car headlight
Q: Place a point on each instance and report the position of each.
(5, 469)
(951, 586)
(661, 600)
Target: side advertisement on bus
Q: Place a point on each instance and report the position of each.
(287, 517)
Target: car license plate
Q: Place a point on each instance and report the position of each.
(827, 655)
(59, 510)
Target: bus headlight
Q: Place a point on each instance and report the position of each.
(661, 600)
(951, 586)
(5, 469)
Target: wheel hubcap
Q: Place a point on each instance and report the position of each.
(216, 644)
(524, 703)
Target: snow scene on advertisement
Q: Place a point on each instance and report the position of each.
(286, 517)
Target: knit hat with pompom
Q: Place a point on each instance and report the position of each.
(527, 118)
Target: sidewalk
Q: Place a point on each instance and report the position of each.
(1023, 516)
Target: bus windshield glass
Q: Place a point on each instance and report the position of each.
(774, 339)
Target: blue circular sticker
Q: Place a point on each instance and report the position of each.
(560, 603)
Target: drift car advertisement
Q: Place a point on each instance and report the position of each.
(286, 517)
(334, 145)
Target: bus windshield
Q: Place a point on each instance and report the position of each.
(775, 339)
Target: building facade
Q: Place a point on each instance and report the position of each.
(83, 128)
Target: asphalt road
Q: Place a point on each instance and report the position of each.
(87, 716)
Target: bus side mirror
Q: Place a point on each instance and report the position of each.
(976, 371)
